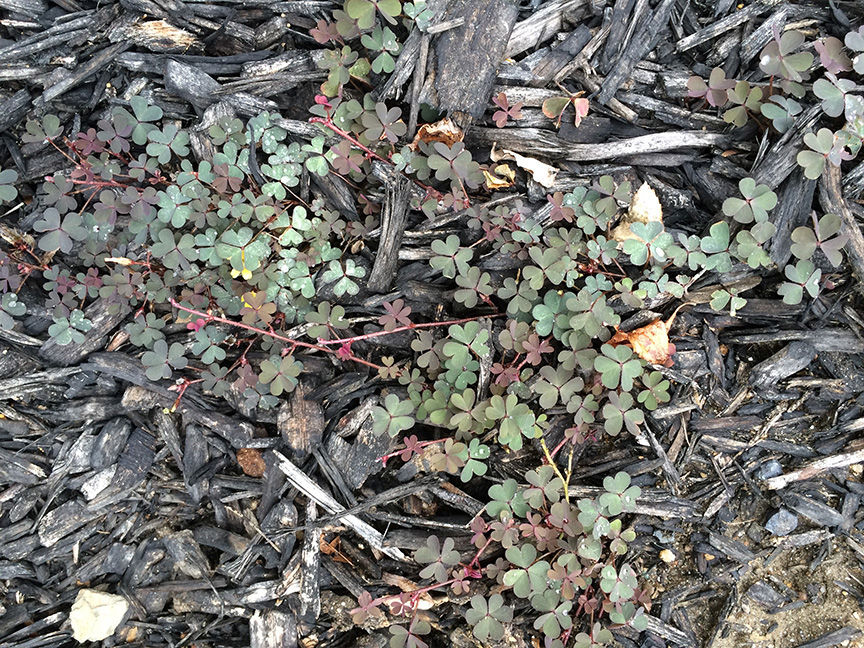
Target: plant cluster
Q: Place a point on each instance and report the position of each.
(787, 68)
(561, 558)
(227, 246)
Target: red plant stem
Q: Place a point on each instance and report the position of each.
(294, 343)
(384, 459)
(346, 135)
(328, 123)
(410, 327)
(471, 571)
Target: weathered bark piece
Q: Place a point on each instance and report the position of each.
(63, 520)
(831, 199)
(835, 638)
(782, 158)
(815, 511)
(393, 218)
(301, 422)
(555, 60)
(34, 383)
(725, 24)
(201, 90)
(405, 66)
(468, 56)
(792, 210)
(336, 192)
(170, 435)
(239, 433)
(362, 458)
(110, 442)
(195, 457)
(309, 488)
(84, 71)
(272, 629)
(643, 42)
(13, 109)
(104, 322)
(540, 26)
(784, 363)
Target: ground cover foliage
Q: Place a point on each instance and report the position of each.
(263, 280)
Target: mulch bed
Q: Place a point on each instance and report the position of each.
(749, 521)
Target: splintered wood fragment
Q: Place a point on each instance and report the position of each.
(167, 428)
(393, 218)
(63, 520)
(642, 43)
(827, 339)
(651, 502)
(103, 320)
(624, 15)
(831, 199)
(540, 26)
(468, 56)
(186, 554)
(272, 629)
(29, 8)
(725, 24)
(337, 192)
(555, 60)
(195, 457)
(537, 142)
(814, 510)
(16, 469)
(310, 489)
(310, 588)
(51, 37)
(155, 35)
(671, 114)
(731, 548)
(34, 382)
(594, 85)
(269, 32)
(815, 468)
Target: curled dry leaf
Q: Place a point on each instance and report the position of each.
(444, 131)
(650, 342)
(645, 207)
(504, 177)
(542, 173)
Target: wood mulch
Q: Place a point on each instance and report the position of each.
(225, 526)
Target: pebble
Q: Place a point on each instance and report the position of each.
(770, 469)
(782, 523)
(668, 556)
